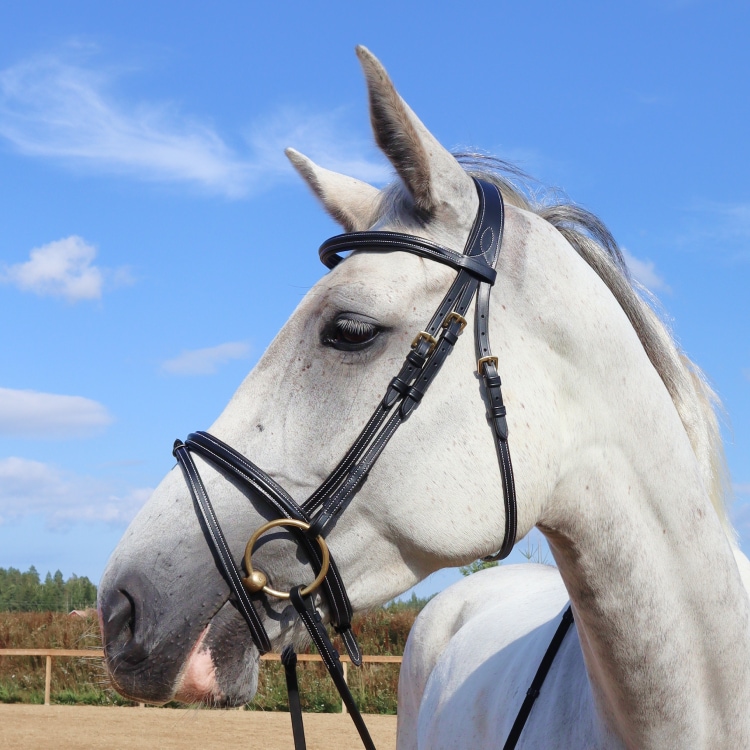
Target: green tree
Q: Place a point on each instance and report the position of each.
(25, 592)
(476, 566)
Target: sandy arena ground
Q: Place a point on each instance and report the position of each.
(24, 727)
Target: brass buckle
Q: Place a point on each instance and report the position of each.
(256, 580)
(426, 336)
(485, 360)
(451, 316)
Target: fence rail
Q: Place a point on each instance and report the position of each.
(97, 653)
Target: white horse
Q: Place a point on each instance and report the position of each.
(617, 461)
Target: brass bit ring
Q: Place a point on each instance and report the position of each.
(256, 580)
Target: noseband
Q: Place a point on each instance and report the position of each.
(310, 520)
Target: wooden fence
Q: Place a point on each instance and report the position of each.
(97, 653)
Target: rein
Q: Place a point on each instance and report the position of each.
(310, 520)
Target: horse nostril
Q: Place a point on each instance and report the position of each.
(143, 649)
(120, 626)
(118, 610)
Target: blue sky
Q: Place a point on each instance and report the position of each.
(143, 187)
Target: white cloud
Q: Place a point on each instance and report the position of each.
(322, 137)
(718, 228)
(50, 107)
(644, 272)
(206, 361)
(35, 488)
(733, 219)
(734, 227)
(49, 415)
(64, 268)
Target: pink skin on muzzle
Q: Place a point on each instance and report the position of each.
(197, 682)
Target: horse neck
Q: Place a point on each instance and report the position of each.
(660, 608)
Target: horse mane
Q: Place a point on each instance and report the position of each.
(696, 402)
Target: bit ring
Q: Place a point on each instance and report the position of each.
(256, 580)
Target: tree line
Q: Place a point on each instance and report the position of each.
(26, 592)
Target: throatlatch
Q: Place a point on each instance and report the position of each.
(310, 521)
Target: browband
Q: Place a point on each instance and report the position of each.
(329, 250)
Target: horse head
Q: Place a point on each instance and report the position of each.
(616, 455)
(170, 626)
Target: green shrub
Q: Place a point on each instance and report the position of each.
(84, 680)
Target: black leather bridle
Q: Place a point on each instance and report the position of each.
(310, 520)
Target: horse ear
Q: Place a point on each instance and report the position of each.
(350, 202)
(430, 172)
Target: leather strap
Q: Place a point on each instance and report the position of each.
(312, 620)
(496, 415)
(397, 241)
(418, 372)
(218, 545)
(289, 660)
(536, 684)
(413, 365)
(225, 457)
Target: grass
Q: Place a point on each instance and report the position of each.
(74, 680)
(84, 681)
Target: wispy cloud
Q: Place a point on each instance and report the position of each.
(34, 488)
(206, 361)
(51, 107)
(735, 221)
(64, 268)
(322, 137)
(31, 414)
(718, 228)
(644, 271)
(647, 99)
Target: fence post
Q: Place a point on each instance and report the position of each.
(345, 665)
(47, 680)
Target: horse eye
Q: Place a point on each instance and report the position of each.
(350, 334)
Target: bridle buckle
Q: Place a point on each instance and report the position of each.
(423, 335)
(451, 316)
(486, 361)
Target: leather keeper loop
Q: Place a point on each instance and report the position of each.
(493, 381)
(414, 394)
(501, 428)
(411, 402)
(498, 411)
(413, 358)
(450, 337)
(317, 527)
(396, 389)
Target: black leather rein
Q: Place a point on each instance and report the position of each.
(310, 520)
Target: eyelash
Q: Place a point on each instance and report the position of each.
(350, 334)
